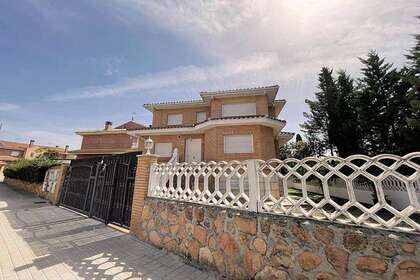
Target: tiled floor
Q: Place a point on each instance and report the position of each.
(41, 241)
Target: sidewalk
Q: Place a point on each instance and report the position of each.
(39, 241)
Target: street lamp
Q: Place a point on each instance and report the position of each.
(148, 145)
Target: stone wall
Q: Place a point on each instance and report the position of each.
(35, 188)
(243, 245)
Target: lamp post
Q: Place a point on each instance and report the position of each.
(148, 145)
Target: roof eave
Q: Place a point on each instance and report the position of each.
(101, 132)
(174, 105)
(270, 91)
(277, 125)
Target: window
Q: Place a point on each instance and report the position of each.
(163, 149)
(134, 142)
(238, 144)
(201, 117)
(239, 109)
(15, 153)
(174, 119)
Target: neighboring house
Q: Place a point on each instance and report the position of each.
(108, 141)
(12, 151)
(223, 125)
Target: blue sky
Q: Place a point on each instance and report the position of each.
(72, 65)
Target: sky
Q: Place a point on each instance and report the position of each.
(67, 66)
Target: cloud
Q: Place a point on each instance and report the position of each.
(299, 30)
(8, 107)
(179, 76)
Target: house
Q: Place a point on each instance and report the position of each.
(12, 151)
(109, 140)
(235, 124)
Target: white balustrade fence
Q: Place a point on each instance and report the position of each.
(381, 191)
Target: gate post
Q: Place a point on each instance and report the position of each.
(141, 186)
(55, 199)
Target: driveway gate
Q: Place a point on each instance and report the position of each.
(101, 187)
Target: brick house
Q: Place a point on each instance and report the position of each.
(109, 140)
(223, 125)
(12, 151)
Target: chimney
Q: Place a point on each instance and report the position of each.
(66, 149)
(31, 143)
(108, 125)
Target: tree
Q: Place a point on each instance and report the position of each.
(412, 135)
(320, 123)
(348, 139)
(375, 89)
(299, 150)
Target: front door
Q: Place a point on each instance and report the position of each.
(193, 150)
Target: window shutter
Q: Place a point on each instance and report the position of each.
(238, 144)
(201, 117)
(174, 119)
(239, 109)
(163, 149)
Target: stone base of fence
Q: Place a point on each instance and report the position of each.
(243, 245)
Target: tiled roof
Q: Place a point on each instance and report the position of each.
(240, 90)
(13, 145)
(23, 146)
(285, 133)
(214, 119)
(205, 95)
(8, 158)
(130, 125)
(175, 102)
(100, 151)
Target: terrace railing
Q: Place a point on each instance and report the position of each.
(380, 192)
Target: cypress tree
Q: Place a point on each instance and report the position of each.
(320, 123)
(348, 141)
(375, 90)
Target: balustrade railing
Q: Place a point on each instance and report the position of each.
(381, 191)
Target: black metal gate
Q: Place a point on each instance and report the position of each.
(102, 187)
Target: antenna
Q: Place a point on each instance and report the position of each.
(132, 116)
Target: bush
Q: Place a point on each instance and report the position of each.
(30, 170)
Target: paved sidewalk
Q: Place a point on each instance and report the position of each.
(39, 241)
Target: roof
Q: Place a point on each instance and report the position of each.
(270, 91)
(102, 132)
(100, 151)
(209, 123)
(8, 158)
(121, 129)
(174, 104)
(130, 125)
(206, 96)
(286, 135)
(9, 145)
(13, 145)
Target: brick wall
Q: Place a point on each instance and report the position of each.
(261, 103)
(263, 143)
(246, 245)
(111, 141)
(140, 191)
(178, 141)
(7, 152)
(160, 117)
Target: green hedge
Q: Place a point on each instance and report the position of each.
(29, 170)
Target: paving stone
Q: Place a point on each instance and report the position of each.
(46, 242)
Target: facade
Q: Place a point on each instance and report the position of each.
(12, 151)
(223, 125)
(109, 141)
